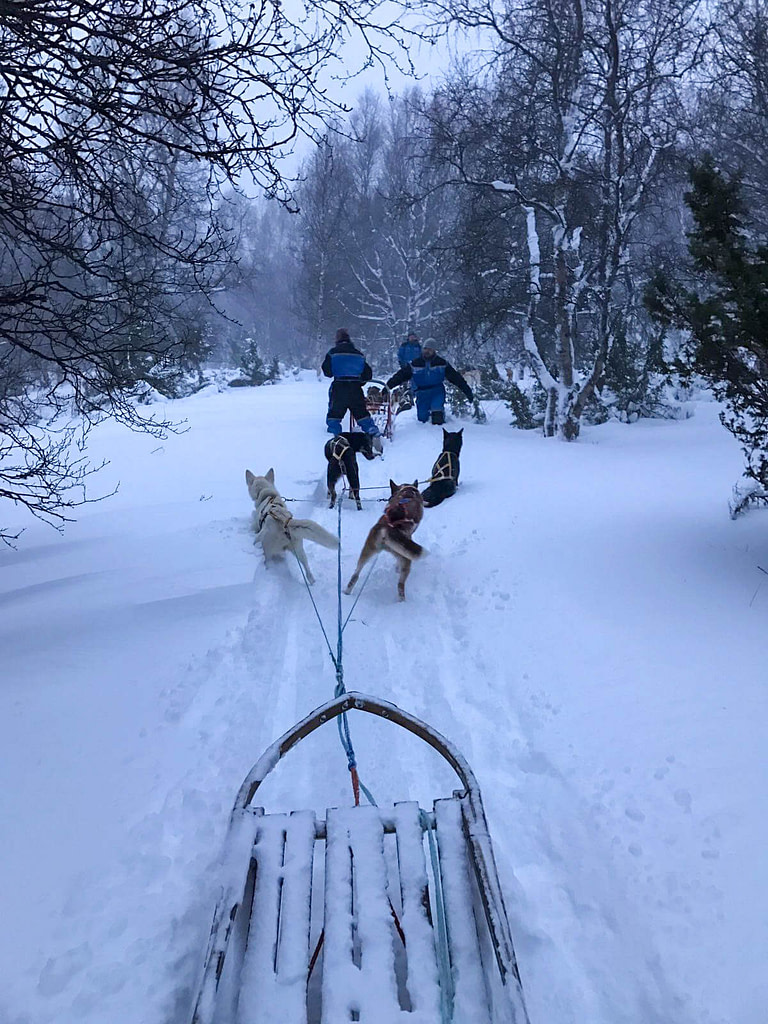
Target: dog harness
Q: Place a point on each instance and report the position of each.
(275, 507)
(405, 509)
(443, 468)
(339, 447)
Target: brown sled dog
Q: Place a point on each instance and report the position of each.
(392, 532)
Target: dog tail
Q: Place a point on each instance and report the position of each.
(309, 530)
(399, 544)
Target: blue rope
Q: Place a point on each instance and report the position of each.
(442, 947)
(343, 724)
(314, 605)
(341, 721)
(441, 943)
(360, 591)
(337, 658)
(339, 666)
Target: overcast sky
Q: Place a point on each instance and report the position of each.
(430, 62)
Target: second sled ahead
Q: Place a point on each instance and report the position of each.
(378, 401)
(384, 915)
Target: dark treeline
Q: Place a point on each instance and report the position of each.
(544, 212)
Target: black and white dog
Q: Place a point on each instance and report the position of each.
(444, 478)
(341, 453)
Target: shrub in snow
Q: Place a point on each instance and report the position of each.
(526, 406)
(724, 309)
(274, 373)
(745, 493)
(459, 404)
(255, 371)
(637, 383)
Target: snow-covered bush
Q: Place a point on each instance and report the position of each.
(637, 383)
(254, 369)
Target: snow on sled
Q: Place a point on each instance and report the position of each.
(378, 400)
(380, 915)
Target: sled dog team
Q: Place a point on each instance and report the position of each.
(278, 531)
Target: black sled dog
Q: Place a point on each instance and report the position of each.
(444, 478)
(341, 453)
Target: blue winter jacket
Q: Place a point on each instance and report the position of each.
(345, 362)
(408, 351)
(430, 373)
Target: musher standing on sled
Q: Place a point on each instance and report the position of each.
(428, 373)
(350, 371)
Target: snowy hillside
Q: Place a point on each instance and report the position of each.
(588, 627)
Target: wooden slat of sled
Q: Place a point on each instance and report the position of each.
(422, 975)
(359, 969)
(273, 982)
(470, 996)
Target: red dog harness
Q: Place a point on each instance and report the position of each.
(405, 509)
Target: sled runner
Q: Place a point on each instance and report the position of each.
(379, 402)
(388, 915)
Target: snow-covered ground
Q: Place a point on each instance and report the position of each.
(589, 628)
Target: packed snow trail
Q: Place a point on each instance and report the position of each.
(587, 627)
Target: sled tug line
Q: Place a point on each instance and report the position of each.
(383, 915)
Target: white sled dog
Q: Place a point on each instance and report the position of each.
(276, 529)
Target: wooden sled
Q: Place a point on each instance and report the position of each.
(407, 904)
(379, 403)
(401, 398)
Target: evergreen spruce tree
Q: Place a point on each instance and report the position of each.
(518, 404)
(726, 317)
(492, 386)
(635, 377)
(274, 373)
(458, 403)
(489, 379)
(252, 364)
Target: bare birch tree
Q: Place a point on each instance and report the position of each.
(104, 109)
(399, 232)
(592, 88)
(323, 200)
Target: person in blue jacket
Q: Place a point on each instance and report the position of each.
(409, 350)
(349, 369)
(428, 374)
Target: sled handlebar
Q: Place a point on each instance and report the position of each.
(354, 701)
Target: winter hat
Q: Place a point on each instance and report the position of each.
(342, 334)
